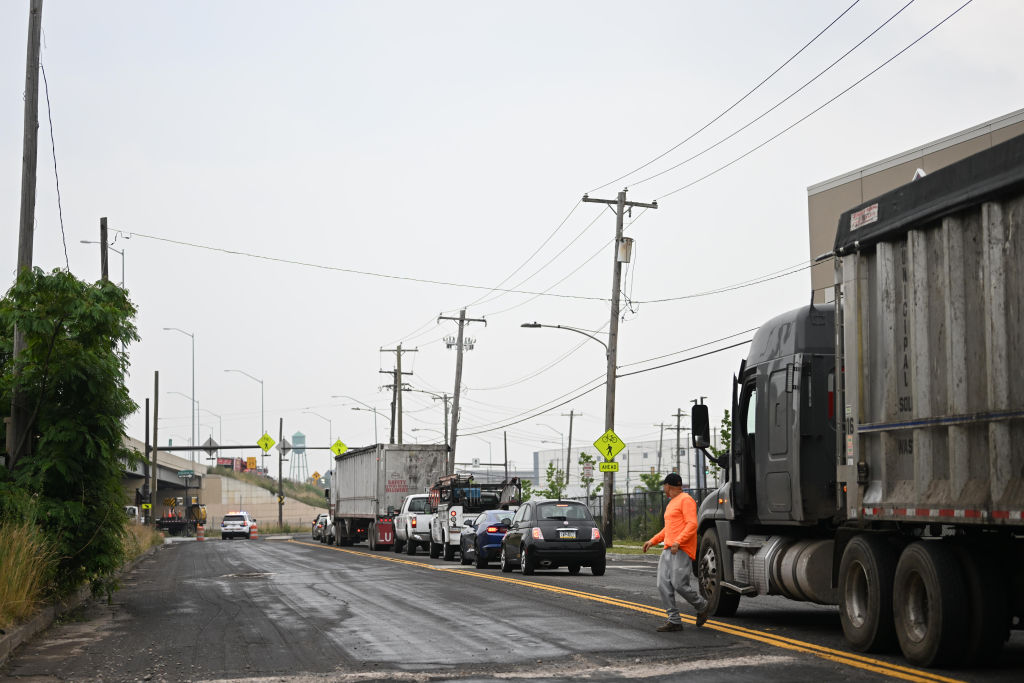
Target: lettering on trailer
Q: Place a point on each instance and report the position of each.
(864, 217)
(396, 485)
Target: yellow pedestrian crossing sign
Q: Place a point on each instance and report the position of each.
(338, 447)
(265, 442)
(609, 445)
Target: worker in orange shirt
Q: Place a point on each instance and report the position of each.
(675, 569)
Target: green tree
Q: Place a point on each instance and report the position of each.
(652, 480)
(587, 482)
(555, 479)
(725, 441)
(527, 487)
(72, 378)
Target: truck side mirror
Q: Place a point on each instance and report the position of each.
(700, 426)
(327, 494)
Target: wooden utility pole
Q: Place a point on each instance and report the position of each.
(145, 467)
(679, 429)
(661, 441)
(19, 424)
(280, 476)
(156, 434)
(444, 397)
(104, 261)
(568, 448)
(621, 254)
(396, 400)
(505, 434)
(458, 343)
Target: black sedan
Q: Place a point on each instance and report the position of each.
(480, 541)
(547, 534)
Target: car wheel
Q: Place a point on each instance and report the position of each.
(574, 569)
(722, 602)
(449, 552)
(597, 567)
(481, 558)
(410, 548)
(506, 566)
(398, 545)
(527, 565)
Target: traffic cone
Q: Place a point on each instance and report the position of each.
(254, 533)
(200, 533)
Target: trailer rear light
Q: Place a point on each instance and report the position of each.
(595, 534)
(537, 533)
(492, 529)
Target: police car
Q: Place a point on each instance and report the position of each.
(237, 524)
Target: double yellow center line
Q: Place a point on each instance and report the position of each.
(848, 658)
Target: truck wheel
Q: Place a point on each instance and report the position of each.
(410, 548)
(435, 549)
(722, 602)
(865, 593)
(506, 566)
(371, 537)
(449, 551)
(527, 565)
(988, 618)
(930, 604)
(398, 545)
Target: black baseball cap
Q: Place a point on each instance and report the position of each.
(672, 479)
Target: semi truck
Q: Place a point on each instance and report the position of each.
(454, 497)
(877, 456)
(369, 484)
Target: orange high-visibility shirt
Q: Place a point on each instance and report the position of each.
(680, 525)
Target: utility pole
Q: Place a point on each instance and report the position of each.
(104, 258)
(661, 440)
(396, 405)
(459, 343)
(18, 426)
(505, 434)
(621, 255)
(145, 466)
(156, 434)
(679, 415)
(280, 477)
(444, 397)
(568, 448)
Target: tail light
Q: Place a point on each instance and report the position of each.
(492, 529)
(537, 535)
(412, 522)
(595, 534)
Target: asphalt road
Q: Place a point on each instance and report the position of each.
(297, 610)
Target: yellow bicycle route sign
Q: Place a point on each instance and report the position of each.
(609, 445)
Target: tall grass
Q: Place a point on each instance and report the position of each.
(140, 538)
(27, 564)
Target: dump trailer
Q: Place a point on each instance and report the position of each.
(369, 484)
(877, 458)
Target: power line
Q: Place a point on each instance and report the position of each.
(777, 104)
(731, 106)
(56, 177)
(817, 109)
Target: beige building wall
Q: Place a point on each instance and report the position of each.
(827, 200)
(224, 494)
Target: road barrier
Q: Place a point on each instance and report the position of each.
(200, 533)
(254, 533)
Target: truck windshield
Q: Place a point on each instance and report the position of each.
(419, 505)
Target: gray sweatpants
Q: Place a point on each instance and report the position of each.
(675, 575)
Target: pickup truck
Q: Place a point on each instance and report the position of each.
(412, 525)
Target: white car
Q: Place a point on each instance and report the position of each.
(237, 525)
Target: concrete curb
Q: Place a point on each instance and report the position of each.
(21, 633)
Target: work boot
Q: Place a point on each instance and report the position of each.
(702, 617)
(669, 626)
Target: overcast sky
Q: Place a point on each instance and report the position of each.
(447, 142)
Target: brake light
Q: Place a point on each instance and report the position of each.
(595, 534)
(492, 530)
(537, 533)
(412, 522)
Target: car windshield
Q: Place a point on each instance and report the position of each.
(566, 512)
(419, 505)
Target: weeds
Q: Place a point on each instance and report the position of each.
(28, 561)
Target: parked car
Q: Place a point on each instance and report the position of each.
(319, 523)
(547, 534)
(480, 540)
(237, 525)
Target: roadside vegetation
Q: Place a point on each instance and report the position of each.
(61, 514)
(304, 493)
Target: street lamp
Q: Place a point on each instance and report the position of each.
(116, 251)
(610, 352)
(193, 338)
(368, 407)
(220, 420)
(255, 379)
(330, 429)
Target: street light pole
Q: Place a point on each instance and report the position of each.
(193, 338)
(330, 428)
(368, 407)
(262, 426)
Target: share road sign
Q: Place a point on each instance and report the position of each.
(609, 446)
(609, 466)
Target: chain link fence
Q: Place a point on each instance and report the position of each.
(638, 516)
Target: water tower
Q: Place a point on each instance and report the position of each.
(299, 468)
